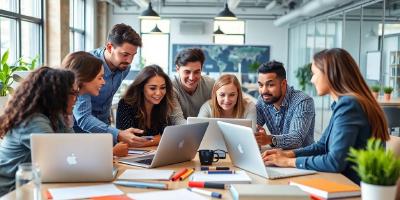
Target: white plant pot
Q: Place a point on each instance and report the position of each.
(374, 192)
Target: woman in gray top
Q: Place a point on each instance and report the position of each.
(40, 104)
(227, 101)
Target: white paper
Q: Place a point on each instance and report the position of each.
(168, 195)
(84, 192)
(239, 177)
(146, 174)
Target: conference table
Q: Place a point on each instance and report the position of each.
(339, 178)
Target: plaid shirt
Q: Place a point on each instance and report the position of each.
(293, 124)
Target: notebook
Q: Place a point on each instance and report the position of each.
(264, 191)
(326, 189)
(168, 195)
(146, 174)
(239, 177)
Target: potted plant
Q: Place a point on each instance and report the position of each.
(303, 74)
(8, 76)
(387, 93)
(375, 90)
(378, 169)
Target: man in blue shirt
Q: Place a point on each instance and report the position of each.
(92, 113)
(289, 114)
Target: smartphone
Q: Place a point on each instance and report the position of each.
(148, 137)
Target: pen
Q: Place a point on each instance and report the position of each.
(205, 192)
(179, 174)
(206, 168)
(162, 186)
(201, 184)
(186, 174)
(220, 172)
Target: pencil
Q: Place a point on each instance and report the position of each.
(179, 174)
(186, 174)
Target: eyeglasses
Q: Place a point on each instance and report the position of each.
(74, 92)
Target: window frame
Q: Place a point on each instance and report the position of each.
(74, 30)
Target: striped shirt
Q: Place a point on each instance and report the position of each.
(293, 124)
(92, 113)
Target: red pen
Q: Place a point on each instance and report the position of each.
(201, 184)
(178, 174)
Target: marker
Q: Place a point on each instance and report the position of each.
(205, 192)
(220, 172)
(186, 174)
(161, 186)
(201, 184)
(206, 168)
(179, 174)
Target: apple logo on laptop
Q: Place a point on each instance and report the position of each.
(181, 143)
(71, 160)
(239, 147)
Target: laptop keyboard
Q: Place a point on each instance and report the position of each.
(145, 161)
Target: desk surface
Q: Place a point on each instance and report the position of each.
(392, 102)
(183, 184)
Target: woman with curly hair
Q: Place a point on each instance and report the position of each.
(148, 104)
(40, 104)
(89, 73)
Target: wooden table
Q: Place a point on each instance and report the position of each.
(183, 184)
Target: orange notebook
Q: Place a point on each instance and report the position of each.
(326, 189)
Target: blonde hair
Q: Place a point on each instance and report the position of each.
(239, 108)
(344, 78)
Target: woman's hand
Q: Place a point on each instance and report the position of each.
(120, 149)
(280, 158)
(153, 142)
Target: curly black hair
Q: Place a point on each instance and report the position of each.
(45, 90)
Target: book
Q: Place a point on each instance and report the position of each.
(167, 195)
(238, 177)
(146, 174)
(270, 192)
(326, 189)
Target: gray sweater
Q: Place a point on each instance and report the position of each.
(15, 147)
(190, 104)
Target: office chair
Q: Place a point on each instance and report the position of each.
(392, 117)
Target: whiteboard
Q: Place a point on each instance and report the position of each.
(373, 65)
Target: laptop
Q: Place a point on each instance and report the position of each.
(73, 157)
(178, 144)
(213, 138)
(245, 154)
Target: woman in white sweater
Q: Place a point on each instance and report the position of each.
(227, 101)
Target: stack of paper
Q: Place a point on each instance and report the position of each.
(146, 174)
(238, 177)
(167, 195)
(84, 192)
(264, 191)
(326, 189)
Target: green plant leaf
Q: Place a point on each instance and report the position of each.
(17, 78)
(2, 77)
(6, 69)
(4, 58)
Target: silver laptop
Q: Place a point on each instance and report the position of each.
(245, 154)
(178, 144)
(73, 157)
(213, 138)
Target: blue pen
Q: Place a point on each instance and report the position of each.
(161, 186)
(220, 172)
(205, 192)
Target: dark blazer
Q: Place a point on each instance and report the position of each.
(348, 127)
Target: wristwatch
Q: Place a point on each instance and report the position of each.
(273, 141)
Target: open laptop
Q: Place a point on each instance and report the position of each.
(244, 153)
(178, 144)
(73, 157)
(213, 138)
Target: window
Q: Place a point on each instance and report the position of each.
(233, 32)
(21, 28)
(156, 48)
(77, 25)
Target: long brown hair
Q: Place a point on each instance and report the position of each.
(239, 108)
(46, 91)
(85, 66)
(344, 78)
(134, 96)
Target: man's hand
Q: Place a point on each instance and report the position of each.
(278, 157)
(262, 137)
(153, 142)
(128, 136)
(120, 149)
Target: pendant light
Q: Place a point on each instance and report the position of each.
(218, 32)
(226, 14)
(149, 13)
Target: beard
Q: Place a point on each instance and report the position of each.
(272, 99)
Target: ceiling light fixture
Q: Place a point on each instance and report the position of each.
(226, 14)
(149, 13)
(156, 30)
(218, 32)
